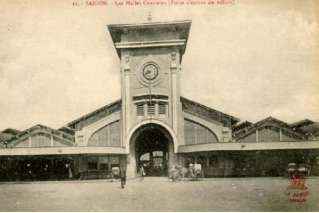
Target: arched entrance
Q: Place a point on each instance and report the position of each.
(153, 148)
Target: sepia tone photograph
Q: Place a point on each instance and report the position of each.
(159, 106)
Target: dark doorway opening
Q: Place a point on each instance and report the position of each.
(152, 145)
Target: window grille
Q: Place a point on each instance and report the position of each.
(140, 110)
(151, 108)
(162, 108)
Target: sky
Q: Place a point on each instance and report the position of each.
(250, 59)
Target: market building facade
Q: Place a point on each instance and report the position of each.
(153, 126)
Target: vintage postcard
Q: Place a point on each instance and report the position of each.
(159, 105)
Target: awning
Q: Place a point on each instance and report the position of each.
(236, 146)
(61, 151)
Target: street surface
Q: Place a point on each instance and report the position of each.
(158, 194)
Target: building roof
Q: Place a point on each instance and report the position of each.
(39, 127)
(67, 130)
(311, 130)
(207, 112)
(242, 125)
(11, 131)
(7, 134)
(116, 30)
(269, 121)
(188, 105)
(301, 123)
(95, 115)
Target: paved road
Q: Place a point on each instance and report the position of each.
(158, 194)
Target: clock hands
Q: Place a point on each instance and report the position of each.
(147, 72)
(150, 72)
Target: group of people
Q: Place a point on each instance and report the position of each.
(36, 170)
(178, 172)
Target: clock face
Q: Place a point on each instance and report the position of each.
(150, 72)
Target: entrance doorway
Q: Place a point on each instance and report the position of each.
(153, 149)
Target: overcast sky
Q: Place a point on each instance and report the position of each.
(249, 60)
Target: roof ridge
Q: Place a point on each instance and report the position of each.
(69, 124)
(209, 108)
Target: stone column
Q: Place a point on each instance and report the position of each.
(131, 162)
(125, 100)
(172, 157)
(174, 89)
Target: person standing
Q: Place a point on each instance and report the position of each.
(123, 177)
(142, 172)
(70, 171)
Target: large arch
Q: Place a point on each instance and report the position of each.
(152, 146)
(151, 121)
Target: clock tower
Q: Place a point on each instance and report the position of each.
(151, 55)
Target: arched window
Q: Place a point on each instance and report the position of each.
(196, 133)
(109, 135)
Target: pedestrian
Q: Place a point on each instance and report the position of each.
(29, 171)
(70, 172)
(174, 174)
(123, 177)
(142, 172)
(191, 170)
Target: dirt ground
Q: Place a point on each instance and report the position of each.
(159, 194)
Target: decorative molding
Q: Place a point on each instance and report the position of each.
(144, 44)
(240, 146)
(61, 151)
(127, 67)
(173, 62)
